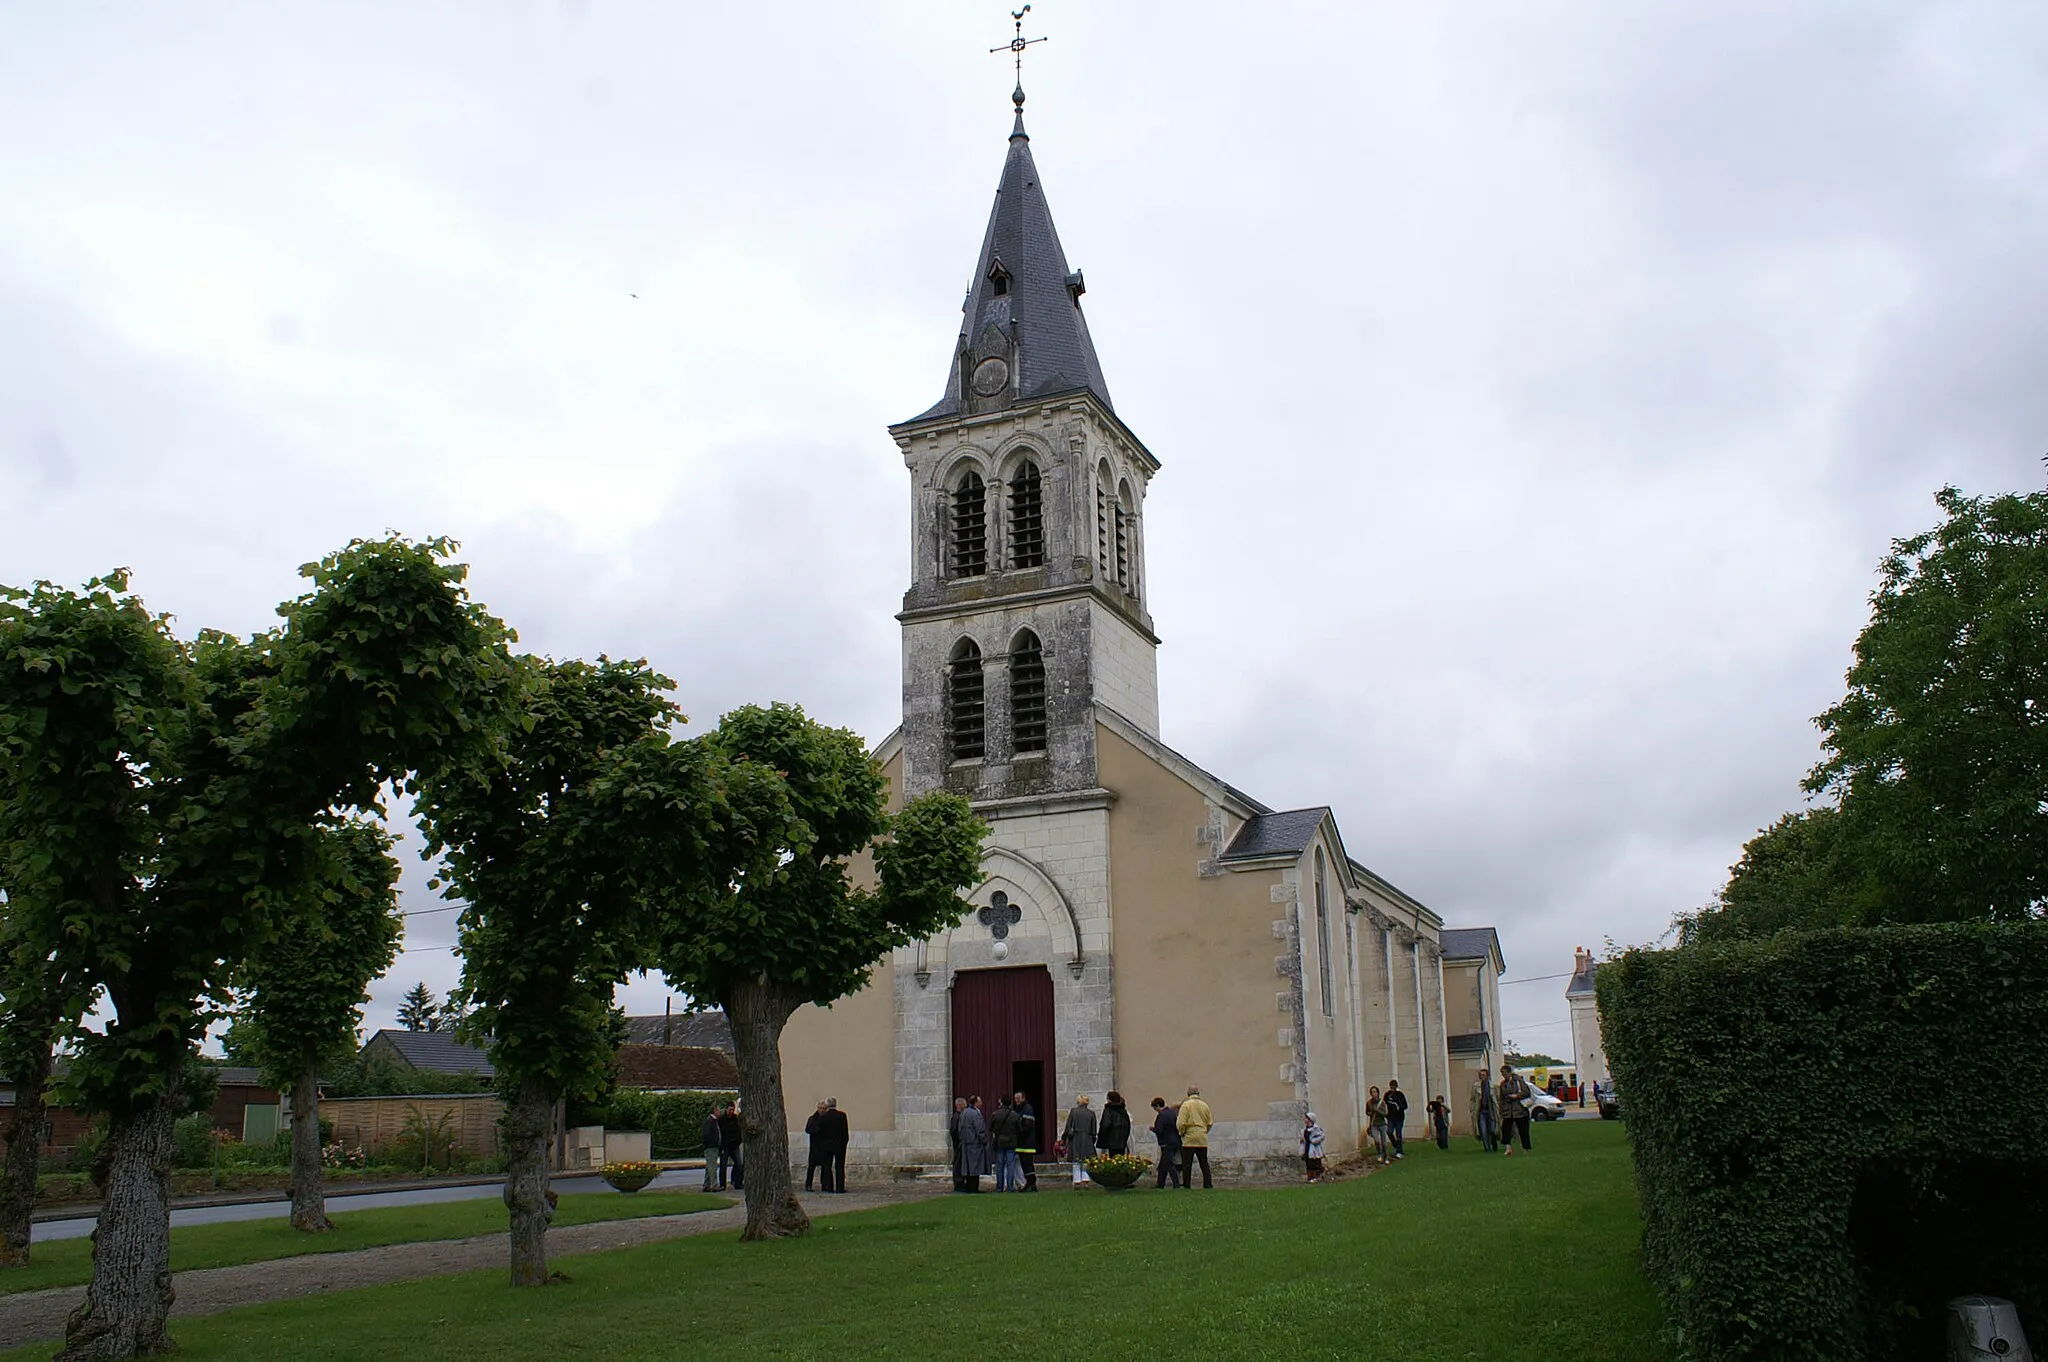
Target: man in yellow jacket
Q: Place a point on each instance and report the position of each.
(1193, 1123)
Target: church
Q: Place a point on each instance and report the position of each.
(1143, 925)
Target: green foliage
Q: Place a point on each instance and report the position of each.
(553, 918)
(801, 801)
(159, 798)
(418, 1012)
(337, 929)
(674, 1121)
(1834, 1132)
(368, 1076)
(1938, 755)
(192, 1141)
(1536, 1060)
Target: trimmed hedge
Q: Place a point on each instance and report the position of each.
(674, 1120)
(1836, 1132)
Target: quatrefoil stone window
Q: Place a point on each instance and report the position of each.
(1000, 915)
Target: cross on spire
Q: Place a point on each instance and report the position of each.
(1016, 47)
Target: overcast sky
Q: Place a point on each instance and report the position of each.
(1536, 385)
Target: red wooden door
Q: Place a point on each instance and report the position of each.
(1002, 1039)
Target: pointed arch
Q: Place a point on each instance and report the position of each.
(1125, 511)
(965, 711)
(1105, 560)
(1323, 932)
(1027, 693)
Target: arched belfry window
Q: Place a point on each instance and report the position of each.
(1027, 517)
(1027, 693)
(1105, 531)
(1323, 933)
(1126, 533)
(964, 702)
(970, 525)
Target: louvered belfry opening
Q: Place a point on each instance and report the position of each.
(970, 526)
(1027, 517)
(1102, 558)
(1027, 693)
(964, 708)
(1122, 512)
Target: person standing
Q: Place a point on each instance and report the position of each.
(1004, 1128)
(974, 1160)
(838, 1135)
(1027, 1141)
(711, 1139)
(1312, 1147)
(1376, 1122)
(1397, 1115)
(1514, 1108)
(1113, 1135)
(1080, 1138)
(1440, 1120)
(1166, 1130)
(953, 1138)
(1485, 1113)
(730, 1159)
(1194, 1121)
(814, 1131)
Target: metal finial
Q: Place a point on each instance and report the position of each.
(1016, 48)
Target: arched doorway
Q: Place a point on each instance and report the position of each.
(1002, 1040)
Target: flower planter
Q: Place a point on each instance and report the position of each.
(1114, 1172)
(1116, 1180)
(629, 1177)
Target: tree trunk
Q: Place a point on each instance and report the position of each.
(528, 1197)
(130, 1296)
(24, 1149)
(757, 1011)
(309, 1173)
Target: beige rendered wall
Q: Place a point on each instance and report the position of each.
(1462, 1004)
(1332, 1040)
(1196, 991)
(846, 1050)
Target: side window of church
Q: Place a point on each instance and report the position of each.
(1027, 517)
(964, 702)
(1027, 693)
(970, 526)
(1323, 933)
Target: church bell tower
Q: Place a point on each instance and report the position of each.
(1026, 609)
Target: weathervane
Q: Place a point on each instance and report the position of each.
(1017, 45)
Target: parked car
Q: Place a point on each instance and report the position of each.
(1610, 1103)
(1542, 1106)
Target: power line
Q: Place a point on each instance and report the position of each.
(1538, 978)
(429, 912)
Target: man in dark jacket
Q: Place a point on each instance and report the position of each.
(730, 1134)
(1166, 1130)
(814, 1131)
(837, 1137)
(1027, 1141)
(1397, 1113)
(709, 1137)
(1114, 1136)
(1005, 1126)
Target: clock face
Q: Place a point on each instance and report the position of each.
(991, 376)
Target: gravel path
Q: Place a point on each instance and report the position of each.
(33, 1316)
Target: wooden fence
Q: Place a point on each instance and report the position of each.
(468, 1122)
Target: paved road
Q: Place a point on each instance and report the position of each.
(80, 1226)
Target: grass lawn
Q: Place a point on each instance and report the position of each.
(1445, 1256)
(68, 1262)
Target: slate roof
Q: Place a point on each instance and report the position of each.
(1582, 978)
(1470, 1042)
(434, 1052)
(1472, 943)
(667, 1068)
(1041, 309)
(1276, 834)
(702, 1030)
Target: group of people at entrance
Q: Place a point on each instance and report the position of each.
(1005, 1142)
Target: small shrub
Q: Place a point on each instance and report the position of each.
(192, 1141)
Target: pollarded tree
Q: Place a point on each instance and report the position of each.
(553, 917)
(782, 922)
(303, 989)
(154, 797)
(1938, 755)
(417, 1012)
